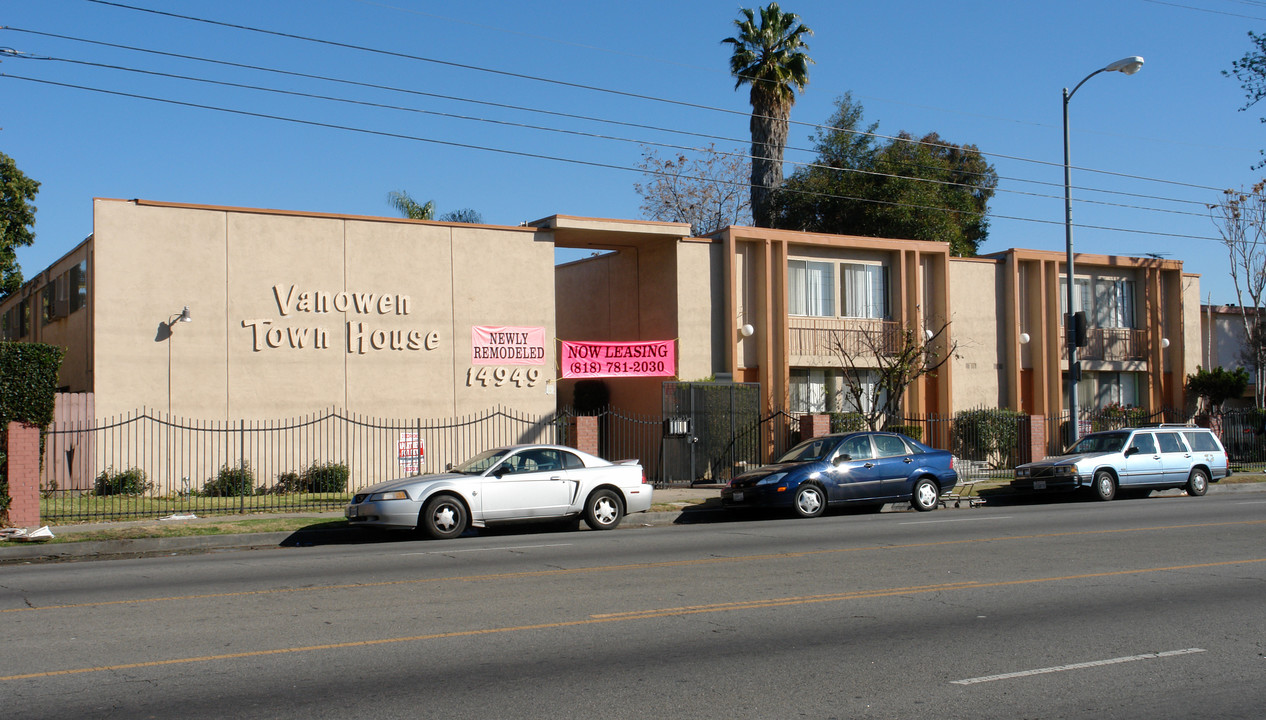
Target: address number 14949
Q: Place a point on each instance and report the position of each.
(498, 376)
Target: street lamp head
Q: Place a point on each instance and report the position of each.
(1129, 65)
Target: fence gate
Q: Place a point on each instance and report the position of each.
(709, 429)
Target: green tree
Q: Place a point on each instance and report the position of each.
(916, 189)
(1216, 386)
(17, 217)
(770, 57)
(410, 208)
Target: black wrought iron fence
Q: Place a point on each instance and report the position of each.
(148, 465)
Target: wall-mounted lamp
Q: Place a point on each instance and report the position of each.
(747, 330)
(1164, 342)
(185, 316)
(1024, 338)
(929, 334)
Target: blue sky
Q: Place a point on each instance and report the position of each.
(1156, 147)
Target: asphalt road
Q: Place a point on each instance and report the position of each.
(1145, 608)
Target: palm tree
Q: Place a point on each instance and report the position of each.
(409, 207)
(771, 59)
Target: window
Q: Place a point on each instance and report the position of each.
(1114, 303)
(865, 290)
(890, 446)
(1145, 443)
(1109, 388)
(48, 303)
(808, 391)
(79, 286)
(1083, 297)
(810, 288)
(1202, 441)
(24, 318)
(858, 447)
(1170, 442)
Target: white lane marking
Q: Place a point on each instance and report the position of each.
(1077, 666)
(512, 547)
(1252, 502)
(970, 519)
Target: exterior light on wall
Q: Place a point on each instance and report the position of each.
(1164, 342)
(929, 334)
(1128, 66)
(747, 330)
(1024, 338)
(185, 316)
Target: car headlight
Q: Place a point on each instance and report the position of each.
(771, 479)
(393, 495)
(1023, 472)
(1065, 470)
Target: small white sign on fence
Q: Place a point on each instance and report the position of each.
(411, 452)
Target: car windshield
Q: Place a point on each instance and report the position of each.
(481, 462)
(815, 449)
(1100, 442)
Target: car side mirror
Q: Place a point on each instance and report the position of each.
(841, 459)
(448, 467)
(1132, 450)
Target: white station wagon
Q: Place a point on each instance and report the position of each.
(1151, 458)
(507, 485)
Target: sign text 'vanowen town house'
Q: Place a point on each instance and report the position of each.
(362, 337)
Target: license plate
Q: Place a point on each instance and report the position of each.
(738, 497)
(1039, 484)
(351, 512)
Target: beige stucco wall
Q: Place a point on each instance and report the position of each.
(977, 317)
(394, 340)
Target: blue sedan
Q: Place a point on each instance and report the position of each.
(857, 467)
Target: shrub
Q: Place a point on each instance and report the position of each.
(988, 435)
(912, 431)
(125, 482)
(231, 482)
(287, 483)
(847, 422)
(325, 478)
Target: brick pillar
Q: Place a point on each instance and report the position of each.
(812, 426)
(582, 434)
(1037, 438)
(24, 475)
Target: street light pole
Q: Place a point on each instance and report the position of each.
(1129, 66)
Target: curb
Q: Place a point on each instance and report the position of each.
(143, 547)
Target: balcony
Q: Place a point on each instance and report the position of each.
(1112, 345)
(827, 338)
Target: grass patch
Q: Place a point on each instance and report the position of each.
(192, 528)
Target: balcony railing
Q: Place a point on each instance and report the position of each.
(828, 337)
(1112, 345)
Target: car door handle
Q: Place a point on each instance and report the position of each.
(907, 461)
(869, 465)
(555, 477)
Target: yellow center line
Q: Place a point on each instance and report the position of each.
(622, 568)
(629, 616)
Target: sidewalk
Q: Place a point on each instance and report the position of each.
(692, 504)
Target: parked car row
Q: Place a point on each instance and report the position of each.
(1146, 458)
(551, 482)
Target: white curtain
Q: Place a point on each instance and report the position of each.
(810, 288)
(865, 291)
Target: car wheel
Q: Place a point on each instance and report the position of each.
(443, 517)
(603, 510)
(1105, 486)
(1198, 482)
(809, 501)
(926, 495)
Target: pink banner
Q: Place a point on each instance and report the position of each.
(507, 345)
(618, 359)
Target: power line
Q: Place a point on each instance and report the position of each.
(578, 133)
(593, 88)
(584, 118)
(541, 156)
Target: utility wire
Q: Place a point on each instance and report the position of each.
(592, 88)
(584, 118)
(541, 156)
(578, 133)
